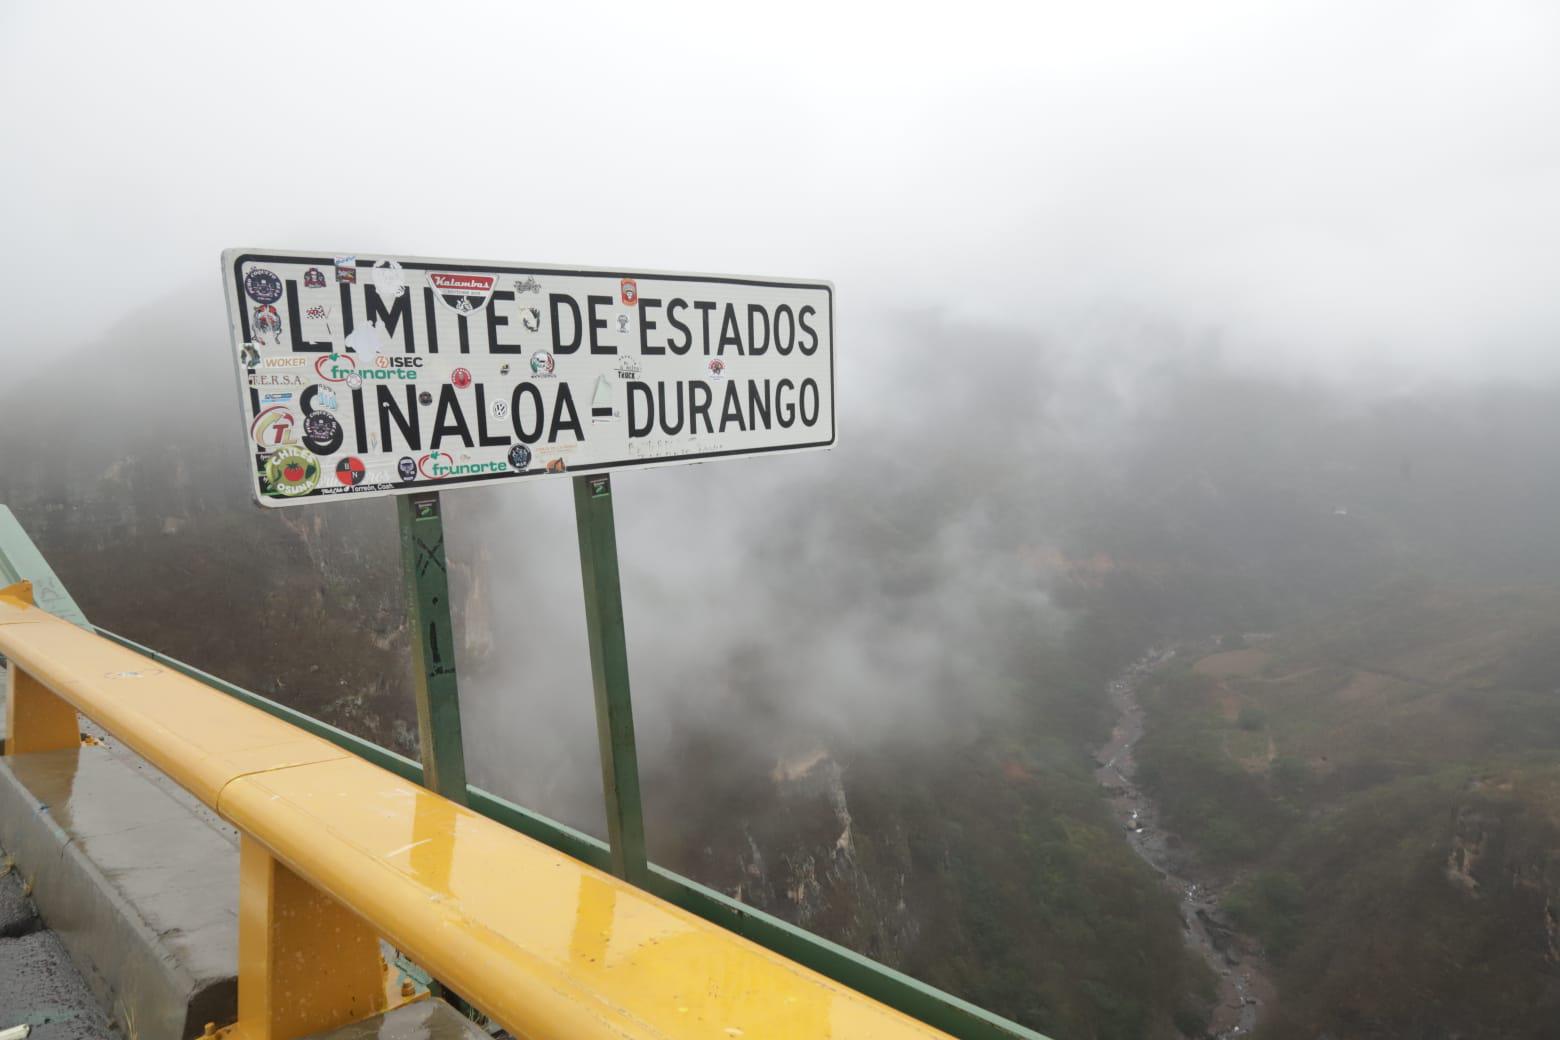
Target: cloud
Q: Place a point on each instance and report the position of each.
(1323, 184)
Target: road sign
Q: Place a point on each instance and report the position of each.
(378, 375)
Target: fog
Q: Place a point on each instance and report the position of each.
(784, 605)
(1354, 186)
(1157, 326)
(1025, 212)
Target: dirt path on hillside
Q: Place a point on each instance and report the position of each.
(1244, 986)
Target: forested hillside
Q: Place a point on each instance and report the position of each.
(1383, 787)
(885, 729)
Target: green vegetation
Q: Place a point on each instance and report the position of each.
(1270, 906)
(1207, 796)
(1397, 845)
(1251, 717)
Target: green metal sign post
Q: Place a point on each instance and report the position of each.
(609, 674)
(426, 579)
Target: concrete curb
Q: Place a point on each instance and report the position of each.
(140, 889)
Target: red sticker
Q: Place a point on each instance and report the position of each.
(462, 293)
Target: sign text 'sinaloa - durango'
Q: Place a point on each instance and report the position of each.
(438, 373)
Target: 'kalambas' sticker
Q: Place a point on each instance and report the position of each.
(462, 293)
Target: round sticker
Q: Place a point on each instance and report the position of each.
(263, 286)
(291, 472)
(541, 363)
(461, 378)
(425, 397)
(350, 471)
(520, 457)
(322, 434)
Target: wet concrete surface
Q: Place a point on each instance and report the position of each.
(1244, 985)
(424, 1020)
(39, 986)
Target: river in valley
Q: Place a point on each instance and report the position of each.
(1244, 987)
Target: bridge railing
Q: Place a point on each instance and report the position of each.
(340, 845)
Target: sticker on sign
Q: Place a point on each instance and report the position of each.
(468, 371)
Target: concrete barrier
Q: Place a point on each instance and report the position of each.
(136, 883)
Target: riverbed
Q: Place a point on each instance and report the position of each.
(1244, 984)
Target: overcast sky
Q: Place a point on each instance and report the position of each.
(1345, 184)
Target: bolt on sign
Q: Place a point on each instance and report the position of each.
(378, 375)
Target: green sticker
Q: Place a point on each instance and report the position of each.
(291, 472)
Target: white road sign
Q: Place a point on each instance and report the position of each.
(378, 375)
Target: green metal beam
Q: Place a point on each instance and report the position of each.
(609, 675)
(20, 558)
(425, 576)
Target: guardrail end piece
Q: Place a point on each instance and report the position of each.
(306, 964)
(21, 592)
(36, 719)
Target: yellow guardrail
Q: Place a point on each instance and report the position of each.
(336, 852)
